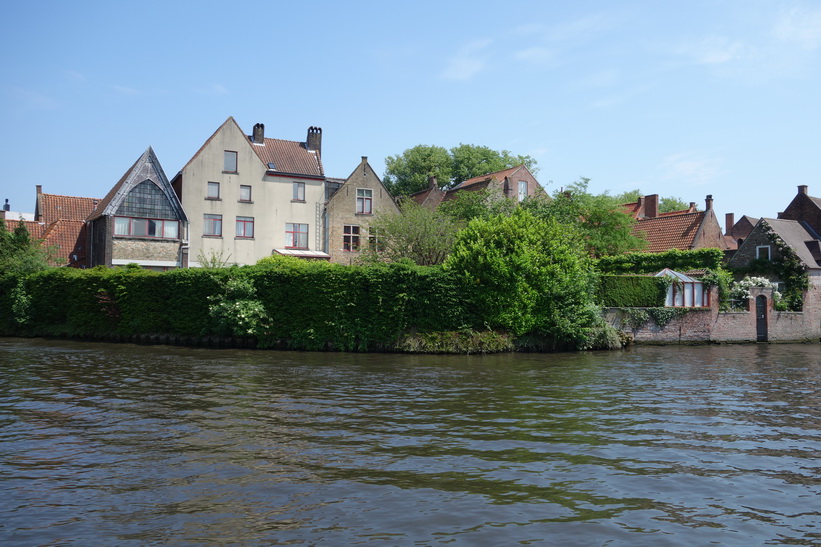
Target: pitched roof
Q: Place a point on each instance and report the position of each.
(799, 236)
(35, 228)
(51, 207)
(669, 231)
(147, 167)
(289, 157)
(486, 178)
(67, 237)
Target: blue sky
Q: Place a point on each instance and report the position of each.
(677, 98)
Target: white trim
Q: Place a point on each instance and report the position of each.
(769, 252)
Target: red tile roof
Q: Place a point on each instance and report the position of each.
(52, 207)
(669, 231)
(35, 229)
(67, 237)
(289, 157)
(498, 175)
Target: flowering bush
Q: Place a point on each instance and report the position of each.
(237, 312)
(741, 289)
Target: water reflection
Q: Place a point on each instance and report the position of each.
(137, 445)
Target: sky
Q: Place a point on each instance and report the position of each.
(679, 99)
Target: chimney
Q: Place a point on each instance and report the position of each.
(802, 189)
(364, 165)
(709, 202)
(38, 204)
(259, 134)
(651, 206)
(432, 182)
(314, 141)
(729, 222)
(6, 206)
(692, 206)
(640, 211)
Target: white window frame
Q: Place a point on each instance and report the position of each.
(350, 237)
(758, 252)
(522, 190)
(364, 201)
(230, 159)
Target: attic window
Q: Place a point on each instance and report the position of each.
(763, 252)
(271, 166)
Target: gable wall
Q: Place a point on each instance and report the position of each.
(803, 208)
(710, 235)
(271, 206)
(747, 252)
(341, 210)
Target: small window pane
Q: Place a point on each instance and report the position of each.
(299, 191)
(212, 225)
(245, 193)
(139, 227)
(171, 229)
(230, 161)
(213, 190)
(121, 226)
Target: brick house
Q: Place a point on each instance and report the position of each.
(139, 221)
(685, 230)
(349, 211)
(515, 183)
(59, 221)
(249, 196)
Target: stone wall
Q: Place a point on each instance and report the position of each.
(141, 249)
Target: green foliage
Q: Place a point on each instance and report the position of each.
(213, 259)
(722, 279)
(465, 206)
(638, 317)
(640, 291)
(672, 203)
(462, 342)
(645, 263)
(409, 172)
(237, 312)
(19, 253)
(419, 234)
(786, 266)
(602, 227)
(525, 277)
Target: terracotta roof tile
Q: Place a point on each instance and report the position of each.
(289, 157)
(68, 239)
(498, 175)
(56, 207)
(672, 231)
(35, 229)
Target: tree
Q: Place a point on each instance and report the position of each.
(19, 253)
(419, 234)
(671, 203)
(465, 206)
(409, 172)
(604, 229)
(527, 277)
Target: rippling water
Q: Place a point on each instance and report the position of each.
(128, 445)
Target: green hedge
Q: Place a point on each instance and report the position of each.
(308, 305)
(632, 291)
(647, 263)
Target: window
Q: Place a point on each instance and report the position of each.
(245, 226)
(522, 190)
(296, 236)
(213, 190)
(350, 238)
(374, 244)
(763, 251)
(364, 201)
(212, 225)
(244, 193)
(299, 191)
(146, 227)
(230, 162)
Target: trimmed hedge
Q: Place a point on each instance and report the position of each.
(311, 305)
(647, 263)
(632, 291)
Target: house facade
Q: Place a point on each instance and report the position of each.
(349, 212)
(249, 196)
(687, 229)
(515, 183)
(140, 221)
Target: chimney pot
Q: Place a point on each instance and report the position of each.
(259, 133)
(6, 206)
(432, 181)
(802, 189)
(709, 202)
(314, 141)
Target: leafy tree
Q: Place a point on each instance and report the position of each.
(467, 205)
(603, 228)
(672, 203)
(419, 234)
(527, 276)
(409, 172)
(19, 252)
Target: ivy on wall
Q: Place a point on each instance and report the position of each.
(647, 263)
(640, 291)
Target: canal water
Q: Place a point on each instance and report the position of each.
(104, 444)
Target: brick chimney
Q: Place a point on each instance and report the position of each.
(651, 206)
(259, 134)
(709, 202)
(802, 189)
(38, 204)
(314, 141)
(729, 222)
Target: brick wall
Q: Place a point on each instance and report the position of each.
(712, 325)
